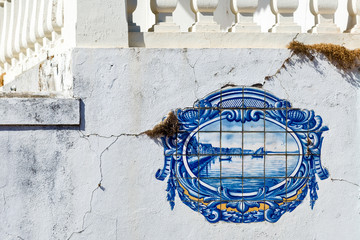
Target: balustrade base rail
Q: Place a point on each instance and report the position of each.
(237, 40)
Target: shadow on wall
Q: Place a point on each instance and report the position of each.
(263, 4)
(186, 6)
(82, 115)
(223, 14)
(351, 76)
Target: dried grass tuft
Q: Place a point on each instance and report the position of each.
(167, 128)
(339, 56)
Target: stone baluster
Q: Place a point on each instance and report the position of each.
(55, 20)
(244, 16)
(2, 25)
(284, 13)
(34, 22)
(324, 12)
(10, 44)
(131, 7)
(204, 16)
(19, 24)
(36, 38)
(354, 12)
(25, 36)
(6, 9)
(163, 10)
(42, 21)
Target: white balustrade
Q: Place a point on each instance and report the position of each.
(244, 16)
(31, 29)
(324, 12)
(204, 16)
(27, 28)
(10, 51)
(6, 12)
(18, 30)
(284, 13)
(131, 7)
(34, 21)
(163, 10)
(276, 16)
(354, 12)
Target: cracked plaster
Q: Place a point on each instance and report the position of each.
(97, 181)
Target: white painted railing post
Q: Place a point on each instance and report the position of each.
(130, 9)
(354, 11)
(284, 13)
(10, 44)
(2, 15)
(6, 12)
(204, 16)
(35, 39)
(324, 12)
(163, 10)
(244, 16)
(19, 25)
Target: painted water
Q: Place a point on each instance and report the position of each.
(245, 173)
(253, 155)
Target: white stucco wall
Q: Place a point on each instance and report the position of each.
(49, 176)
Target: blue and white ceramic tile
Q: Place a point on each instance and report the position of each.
(275, 143)
(243, 155)
(258, 126)
(275, 166)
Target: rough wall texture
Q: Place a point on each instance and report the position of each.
(49, 176)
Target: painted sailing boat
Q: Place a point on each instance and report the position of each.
(259, 153)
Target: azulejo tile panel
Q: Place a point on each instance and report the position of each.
(243, 155)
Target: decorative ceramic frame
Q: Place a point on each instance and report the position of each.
(241, 105)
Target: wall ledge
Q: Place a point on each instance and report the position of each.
(237, 40)
(39, 111)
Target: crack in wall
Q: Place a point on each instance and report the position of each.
(287, 94)
(13, 235)
(87, 136)
(116, 228)
(5, 202)
(100, 164)
(3, 186)
(79, 232)
(344, 180)
(83, 228)
(83, 135)
(283, 65)
(87, 139)
(278, 71)
(99, 186)
(192, 66)
(344, 60)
